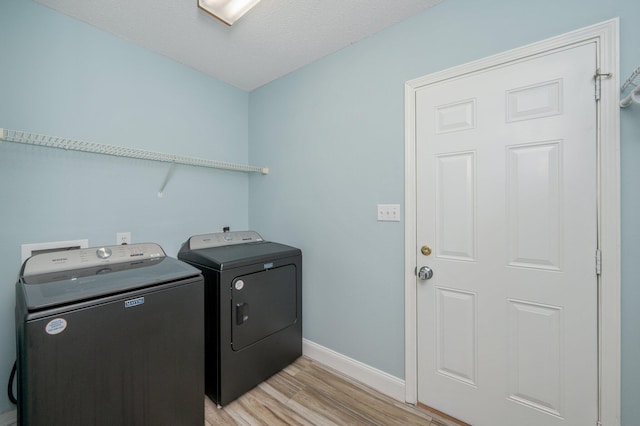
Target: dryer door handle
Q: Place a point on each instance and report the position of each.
(242, 313)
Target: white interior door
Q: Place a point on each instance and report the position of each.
(506, 200)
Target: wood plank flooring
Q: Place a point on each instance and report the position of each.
(308, 393)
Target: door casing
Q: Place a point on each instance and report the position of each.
(606, 37)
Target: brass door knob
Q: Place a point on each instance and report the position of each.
(426, 250)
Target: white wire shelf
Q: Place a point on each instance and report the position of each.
(631, 80)
(634, 95)
(28, 138)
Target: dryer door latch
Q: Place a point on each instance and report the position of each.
(242, 313)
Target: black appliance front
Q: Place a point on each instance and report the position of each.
(132, 356)
(253, 312)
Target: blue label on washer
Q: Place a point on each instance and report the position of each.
(133, 302)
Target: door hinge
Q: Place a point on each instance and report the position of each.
(598, 82)
(598, 262)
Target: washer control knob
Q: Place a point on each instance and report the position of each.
(103, 252)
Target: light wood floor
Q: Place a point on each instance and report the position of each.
(307, 393)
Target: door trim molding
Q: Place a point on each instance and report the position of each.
(606, 37)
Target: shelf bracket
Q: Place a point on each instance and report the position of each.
(166, 179)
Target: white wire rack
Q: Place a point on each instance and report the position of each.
(634, 95)
(631, 80)
(28, 138)
(119, 151)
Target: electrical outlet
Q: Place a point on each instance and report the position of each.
(123, 238)
(389, 212)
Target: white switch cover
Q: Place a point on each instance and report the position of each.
(389, 212)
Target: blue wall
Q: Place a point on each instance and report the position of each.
(64, 78)
(333, 135)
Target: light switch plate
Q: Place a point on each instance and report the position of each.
(389, 212)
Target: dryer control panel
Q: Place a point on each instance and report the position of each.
(223, 239)
(56, 261)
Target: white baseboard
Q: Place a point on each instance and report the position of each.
(379, 380)
(8, 418)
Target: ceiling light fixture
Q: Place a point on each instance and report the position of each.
(228, 11)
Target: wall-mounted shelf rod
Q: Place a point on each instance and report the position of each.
(634, 95)
(118, 151)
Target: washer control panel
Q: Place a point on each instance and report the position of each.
(223, 239)
(56, 261)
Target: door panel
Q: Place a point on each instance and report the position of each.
(534, 205)
(533, 326)
(506, 181)
(456, 334)
(262, 303)
(456, 206)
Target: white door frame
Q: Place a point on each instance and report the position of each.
(606, 37)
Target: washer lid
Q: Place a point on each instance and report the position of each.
(65, 286)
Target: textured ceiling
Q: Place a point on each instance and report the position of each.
(271, 40)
